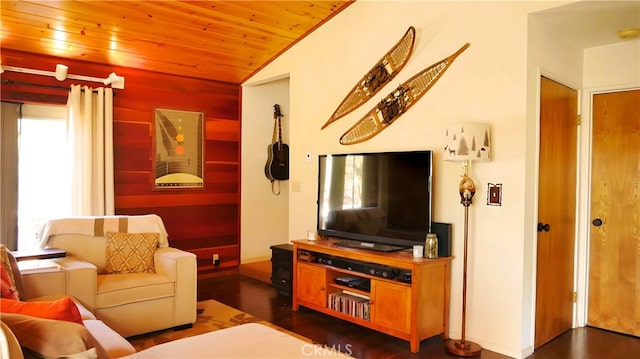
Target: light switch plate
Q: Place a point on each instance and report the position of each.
(494, 194)
(295, 186)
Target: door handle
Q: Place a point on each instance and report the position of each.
(597, 222)
(543, 227)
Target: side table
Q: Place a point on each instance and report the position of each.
(46, 253)
(282, 268)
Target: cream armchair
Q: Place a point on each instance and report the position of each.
(129, 303)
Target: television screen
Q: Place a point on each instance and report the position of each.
(382, 198)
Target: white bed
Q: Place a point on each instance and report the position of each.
(243, 341)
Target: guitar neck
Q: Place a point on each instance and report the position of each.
(278, 116)
(279, 130)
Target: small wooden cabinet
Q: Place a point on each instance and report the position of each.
(400, 295)
(282, 268)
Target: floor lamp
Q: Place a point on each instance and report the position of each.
(466, 143)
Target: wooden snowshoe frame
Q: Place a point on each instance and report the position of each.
(380, 74)
(397, 102)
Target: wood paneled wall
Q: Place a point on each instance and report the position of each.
(202, 221)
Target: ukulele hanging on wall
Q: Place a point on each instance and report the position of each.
(277, 167)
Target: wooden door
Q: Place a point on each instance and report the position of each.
(311, 284)
(614, 249)
(391, 304)
(556, 210)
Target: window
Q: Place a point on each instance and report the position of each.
(43, 170)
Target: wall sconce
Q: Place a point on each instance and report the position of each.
(466, 142)
(61, 72)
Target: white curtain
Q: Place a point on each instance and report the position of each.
(91, 141)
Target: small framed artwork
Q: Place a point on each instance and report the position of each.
(179, 149)
(494, 194)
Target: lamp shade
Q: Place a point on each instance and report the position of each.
(468, 142)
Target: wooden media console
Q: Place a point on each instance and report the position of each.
(393, 293)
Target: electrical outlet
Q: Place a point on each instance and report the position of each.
(216, 259)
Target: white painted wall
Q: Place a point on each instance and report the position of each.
(612, 66)
(264, 216)
(494, 81)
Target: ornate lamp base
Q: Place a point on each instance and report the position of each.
(468, 349)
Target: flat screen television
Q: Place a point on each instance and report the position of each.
(380, 201)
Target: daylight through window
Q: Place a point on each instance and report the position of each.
(43, 170)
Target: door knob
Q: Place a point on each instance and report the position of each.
(543, 227)
(597, 222)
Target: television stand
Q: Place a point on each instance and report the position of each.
(368, 245)
(405, 297)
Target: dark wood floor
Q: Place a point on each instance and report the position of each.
(262, 300)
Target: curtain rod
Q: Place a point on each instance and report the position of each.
(116, 82)
(12, 82)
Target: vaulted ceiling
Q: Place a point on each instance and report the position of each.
(227, 40)
(218, 40)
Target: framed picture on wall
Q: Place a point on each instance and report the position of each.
(179, 152)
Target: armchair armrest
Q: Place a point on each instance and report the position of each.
(180, 266)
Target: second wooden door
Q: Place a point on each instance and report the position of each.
(556, 210)
(614, 249)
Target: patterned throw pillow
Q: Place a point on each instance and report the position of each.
(8, 287)
(130, 252)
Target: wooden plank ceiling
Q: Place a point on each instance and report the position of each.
(217, 40)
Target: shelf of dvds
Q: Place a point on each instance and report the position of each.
(413, 304)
